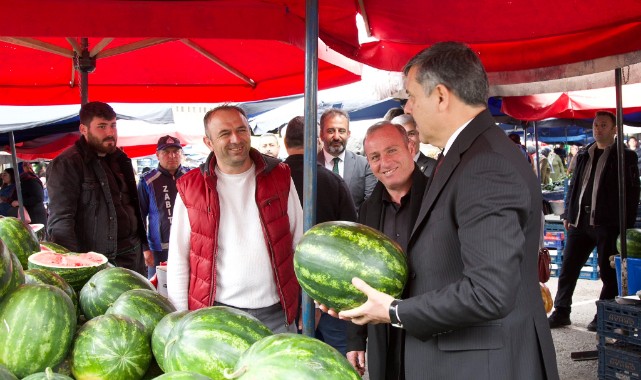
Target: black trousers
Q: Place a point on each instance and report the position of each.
(580, 242)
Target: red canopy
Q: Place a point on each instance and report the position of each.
(162, 51)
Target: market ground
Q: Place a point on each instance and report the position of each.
(576, 338)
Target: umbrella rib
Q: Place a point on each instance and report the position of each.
(99, 46)
(74, 44)
(361, 5)
(131, 47)
(33, 43)
(219, 61)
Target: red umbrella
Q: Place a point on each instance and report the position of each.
(160, 51)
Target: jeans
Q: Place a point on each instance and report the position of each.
(333, 331)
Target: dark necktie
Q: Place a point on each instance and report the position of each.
(439, 162)
(335, 168)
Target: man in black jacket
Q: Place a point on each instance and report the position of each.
(333, 202)
(392, 208)
(93, 202)
(591, 215)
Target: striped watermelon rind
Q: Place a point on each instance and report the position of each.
(292, 356)
(39, 323)
(76, 276)
(19, 237)
(17, 277)
(330, 254)
(5, 374)
(51, 246)
(161, 334)
(6, 269)
(211, 339)
(143, 305)
(182, 375)
(113, 347)
(104, 288)
(47, 277)
(48, 374)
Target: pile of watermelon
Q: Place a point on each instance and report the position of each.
(69, 316)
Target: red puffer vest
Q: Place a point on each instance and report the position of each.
(198, 191)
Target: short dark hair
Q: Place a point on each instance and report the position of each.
(95, 109)
(295, 133)
(331, 113)
(224, 107)
(381, 124)
(455, 66)
(392, 113)
(607, 114)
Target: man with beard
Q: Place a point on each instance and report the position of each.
(236, 222)
(93, 202)
(353, 168)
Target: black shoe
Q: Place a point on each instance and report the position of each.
(592, 325)
(557, 319)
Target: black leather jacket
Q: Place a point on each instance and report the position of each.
(82, 216)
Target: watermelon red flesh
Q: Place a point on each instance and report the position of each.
(47, 277)
(210, 340)
(330, 254)
(143, 305)
(39, 323)
(19, 237)
(161, 334)
(111, 347)
(100, 292)
(75, 268)
(292, 356)
(632, 242)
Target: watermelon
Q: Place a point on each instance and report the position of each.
(209, 340)
(19, 237)
(330, 254)
(182, 375)
(17, 277)
(75, 268)
(292, 356)
(48, 374)
(112, 347)
(161, 334)
(144, 305)
(47, 277)
(5, 374)
(38, 324)
(632, 242)
(39, 231)
(51, 246)
(6, 269)
(100, 292)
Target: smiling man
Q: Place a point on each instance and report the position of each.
(93, 202)
(236, 222)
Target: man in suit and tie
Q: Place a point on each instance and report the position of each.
(472, 307)
(354, 169)
(426, 164)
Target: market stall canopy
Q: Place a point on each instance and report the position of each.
(163, 51)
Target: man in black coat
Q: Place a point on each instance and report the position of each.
(333, 202)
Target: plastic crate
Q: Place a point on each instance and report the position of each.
(620, 322)
(553, 244)
(549, 226)
(587, 273)
(619, 361)
(556, 257)
(592, 261)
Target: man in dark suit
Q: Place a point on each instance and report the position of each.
(392, 208)
(472, 307)
(334, 202)
(426, 164)
(354, 169)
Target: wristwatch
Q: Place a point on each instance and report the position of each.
(393, 314)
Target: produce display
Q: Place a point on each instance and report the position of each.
(143, 305)
(182, 375)
(330, 254)
(19, 238)
(75, 268)
(50, 246)
(48, 374)
(47, 277)
(161, 334)
(632, 243)
(6, 269)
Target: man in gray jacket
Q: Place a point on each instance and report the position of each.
(93, 202)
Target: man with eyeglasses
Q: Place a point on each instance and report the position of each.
(426, 164)
(157, 193)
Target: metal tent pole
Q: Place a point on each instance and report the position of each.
(618, 80)
(14, 162)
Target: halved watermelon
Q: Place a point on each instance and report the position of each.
(75, 268)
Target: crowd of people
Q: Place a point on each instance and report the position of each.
(469, 220)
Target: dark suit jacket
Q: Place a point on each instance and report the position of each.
(333, 200)
(370, 215)
(426, 164)
(357, 175)
(474, 308)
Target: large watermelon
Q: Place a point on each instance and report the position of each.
(75, 268)
(51, 246)
(38, 324)
(100, 292)
(209, 340)
(111, 347)
(182, 375)
(144, 305)
(17, 277)
(161, 334)
(47, 277)
(330, 254)
(632, 242)
(6, 269)
(292, 356)
(19, 237)
(48, 374)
